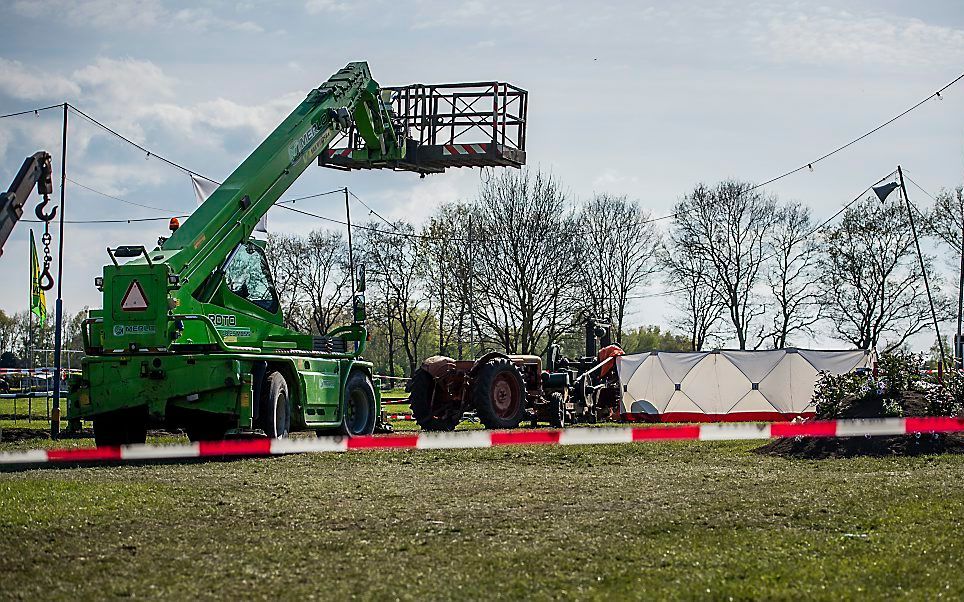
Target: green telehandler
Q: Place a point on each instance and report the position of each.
(191, 333)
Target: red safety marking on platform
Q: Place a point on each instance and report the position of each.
(463, 149)
(483, 439)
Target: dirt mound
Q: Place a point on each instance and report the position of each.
(23, 434)
(8, 435)
(815, 448)
(912, 403)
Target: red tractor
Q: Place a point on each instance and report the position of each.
(504, 390)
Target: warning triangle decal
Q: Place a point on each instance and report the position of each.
(134, 298)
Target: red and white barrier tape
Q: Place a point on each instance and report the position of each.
(478, 439)
(400, 417)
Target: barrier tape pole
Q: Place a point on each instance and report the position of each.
(480, 439)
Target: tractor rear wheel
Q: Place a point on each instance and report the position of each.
(274, 414)
(499, 394)
(431, 410)
(121, 427)
(358, 413)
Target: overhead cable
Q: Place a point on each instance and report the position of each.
(138, 146)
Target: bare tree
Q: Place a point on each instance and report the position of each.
(393, 257)
(8, 331)
(792, 275)
(618, 248)
(697, 300)
(325, 278)
(447, 274)
(283, 255)
(946, 221)
(873, 289)
(523, 279)
(727, 226)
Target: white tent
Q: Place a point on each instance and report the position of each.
(728, 385)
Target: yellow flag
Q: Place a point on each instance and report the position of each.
(38, 300)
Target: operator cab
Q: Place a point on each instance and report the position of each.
(247, 275)
(243, 283)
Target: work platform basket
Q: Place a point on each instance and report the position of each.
(481, 124)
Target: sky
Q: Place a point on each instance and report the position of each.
(635, 98)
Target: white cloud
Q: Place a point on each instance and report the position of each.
(612, 180)
(315, 7)
(137, 99)
(128, 15)
(202, 20)
(18, 81)
(205, 122)
(95, 13)
(839, 37)
(119, 179)
(124, 81)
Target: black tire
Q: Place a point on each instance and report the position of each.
(122, 427)
(557, 411)
(499, 395)
(274, 415)
(430, 413)
(358, 414)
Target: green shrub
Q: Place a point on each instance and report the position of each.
(833, 390)
(861, 394)
(947, 398)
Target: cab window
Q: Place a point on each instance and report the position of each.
(248, 277)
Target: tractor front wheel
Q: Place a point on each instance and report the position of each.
(499, 394)
(431, 408)
(557, 411)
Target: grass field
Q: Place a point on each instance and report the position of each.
(670, 520)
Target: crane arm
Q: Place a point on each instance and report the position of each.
(35, 171)
(231, 213)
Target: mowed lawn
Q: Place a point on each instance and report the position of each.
(643, 521)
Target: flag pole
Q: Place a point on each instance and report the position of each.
(923, 269)
(58, 336)
(31, 252)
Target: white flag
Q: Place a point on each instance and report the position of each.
(204, 188)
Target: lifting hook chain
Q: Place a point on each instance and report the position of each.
(46, 280)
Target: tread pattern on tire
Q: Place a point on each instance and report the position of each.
(360, 379)
(557, 411)
(274, 386)
(481, 394)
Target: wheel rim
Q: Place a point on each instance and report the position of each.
(505, 396)
(357, 412)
